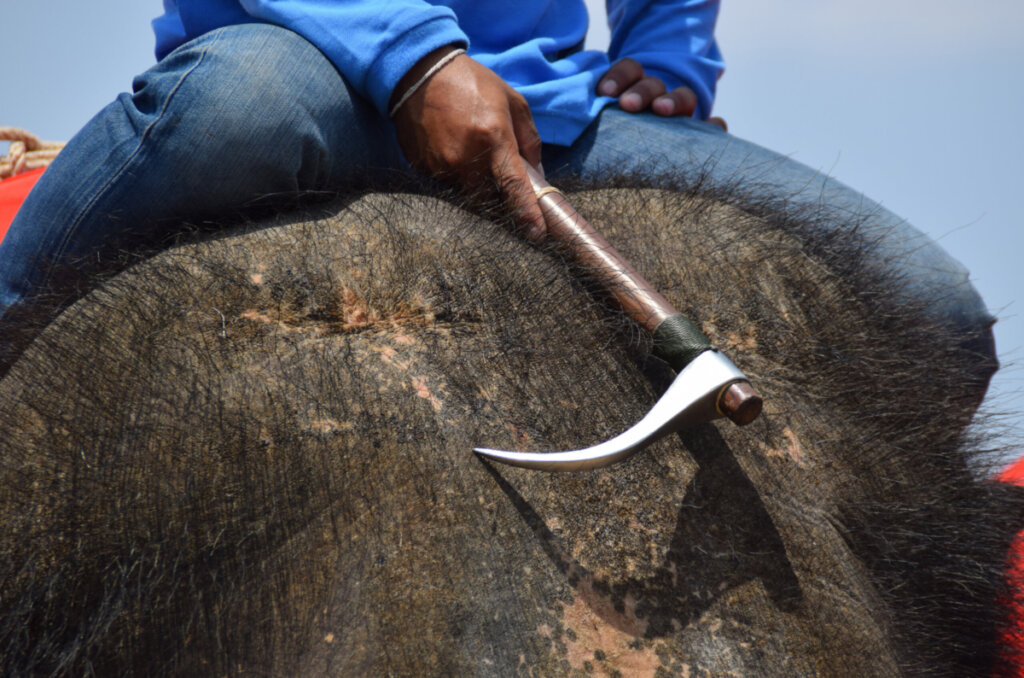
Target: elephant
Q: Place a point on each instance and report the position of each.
(251, 453)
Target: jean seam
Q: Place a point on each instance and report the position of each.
(73, 227)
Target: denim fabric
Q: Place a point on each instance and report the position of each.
(233, 119)
(246, 114)
(624, 142)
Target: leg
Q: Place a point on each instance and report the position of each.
(646, 143)
(237, 118)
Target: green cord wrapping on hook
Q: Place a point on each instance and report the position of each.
(678, 341)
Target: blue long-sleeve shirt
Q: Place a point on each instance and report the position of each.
(534, 45)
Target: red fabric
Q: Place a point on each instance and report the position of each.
(12, 194)
(1012, 634)
(1014, 473)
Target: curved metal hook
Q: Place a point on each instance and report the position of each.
(691, 399)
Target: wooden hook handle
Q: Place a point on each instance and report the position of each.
(592, 252)
(678, 340)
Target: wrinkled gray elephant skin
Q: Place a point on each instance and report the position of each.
(251, 454)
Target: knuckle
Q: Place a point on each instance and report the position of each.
(685, 98)
(626, 69)
(517, 100)
(522, 116)
(653, 85)
(488, 130)
(529, 131)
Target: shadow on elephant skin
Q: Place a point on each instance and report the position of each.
(723, 538)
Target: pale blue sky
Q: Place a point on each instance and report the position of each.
(917, 103)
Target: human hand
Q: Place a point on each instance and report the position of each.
(639, 92)
(468, 126)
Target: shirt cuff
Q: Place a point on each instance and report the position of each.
(404, 52)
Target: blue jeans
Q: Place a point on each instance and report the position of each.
(248, 114)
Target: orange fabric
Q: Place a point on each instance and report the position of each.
(1014, 473)
(12, 193)
(1012, 633)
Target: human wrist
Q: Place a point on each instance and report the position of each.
(420, 73)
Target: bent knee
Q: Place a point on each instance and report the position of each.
(257, 100)
(241, 83)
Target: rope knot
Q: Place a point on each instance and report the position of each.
(26, 152)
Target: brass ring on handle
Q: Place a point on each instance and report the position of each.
(548, 189)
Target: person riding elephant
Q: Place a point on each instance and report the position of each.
(252, 452)
(253, 103)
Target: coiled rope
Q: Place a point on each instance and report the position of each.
(26, 152)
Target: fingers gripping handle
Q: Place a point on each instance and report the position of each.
(676, 339)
